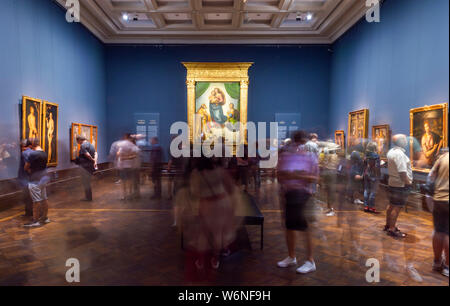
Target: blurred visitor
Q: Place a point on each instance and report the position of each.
(156, 167)
(355, 179)
(328, 174)
(297, 170)
(36, 166)
(127, 153)
(439, 176)
(312, 145)
(24, 177)
(400, 179)
(87, 160)
(217, 198)
(243, 169)
(372, 173)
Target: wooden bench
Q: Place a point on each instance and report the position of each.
(249, 214)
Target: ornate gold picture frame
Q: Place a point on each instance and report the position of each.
(50, 132)
(339, 139)
(31, 118)
(358, 127)
(428, 134)
(381, 135)
(224, 87)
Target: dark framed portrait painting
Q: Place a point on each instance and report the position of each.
(428, 130)
(31, 118)
(357, 128)
(50, 132)
(381, 135)
(339, 139)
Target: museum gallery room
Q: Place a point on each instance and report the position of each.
(224, 142)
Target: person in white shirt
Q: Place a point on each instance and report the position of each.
(400, 179)
(127, 153)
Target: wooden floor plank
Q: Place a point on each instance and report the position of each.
(133, 243)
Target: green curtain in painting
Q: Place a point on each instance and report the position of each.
(233, 90)
(200, 88)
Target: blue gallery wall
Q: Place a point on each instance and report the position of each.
(43, 56)
(151, 79)
(392, 66)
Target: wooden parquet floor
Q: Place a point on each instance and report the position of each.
(133, 243)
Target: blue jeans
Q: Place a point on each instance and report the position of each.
(370, 192)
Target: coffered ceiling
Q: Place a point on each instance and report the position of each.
(220, 21)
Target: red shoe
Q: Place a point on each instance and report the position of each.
(373, 210)
(366, 209)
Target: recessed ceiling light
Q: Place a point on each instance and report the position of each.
(125, 16)
(309, 16)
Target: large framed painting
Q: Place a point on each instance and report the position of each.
(381, 135)
(339, 139)
(428, 126)
(31, 118)
(50, 132)
(86, 130)
(217, 100)
(357, 128)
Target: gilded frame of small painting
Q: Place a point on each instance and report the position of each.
(381, 135)
(428, 129)
(88, 131)
(358, 127)
(339, 139)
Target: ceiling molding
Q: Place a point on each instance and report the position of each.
(219, 21)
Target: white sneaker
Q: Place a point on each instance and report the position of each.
(358, 202)
(307, 267)
(414, 274)
(288, 261)
(331, 213)
(445, 271)
(32, 224)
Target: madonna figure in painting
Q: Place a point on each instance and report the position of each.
(216, 101)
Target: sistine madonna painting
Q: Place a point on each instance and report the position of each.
(217, 109)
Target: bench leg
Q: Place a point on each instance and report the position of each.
(262, 236)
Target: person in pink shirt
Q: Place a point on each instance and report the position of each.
(298, 171)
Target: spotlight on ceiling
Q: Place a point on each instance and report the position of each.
(309, 16)
(125, 16)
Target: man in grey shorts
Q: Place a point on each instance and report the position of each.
(36, 166)
(400, 177)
